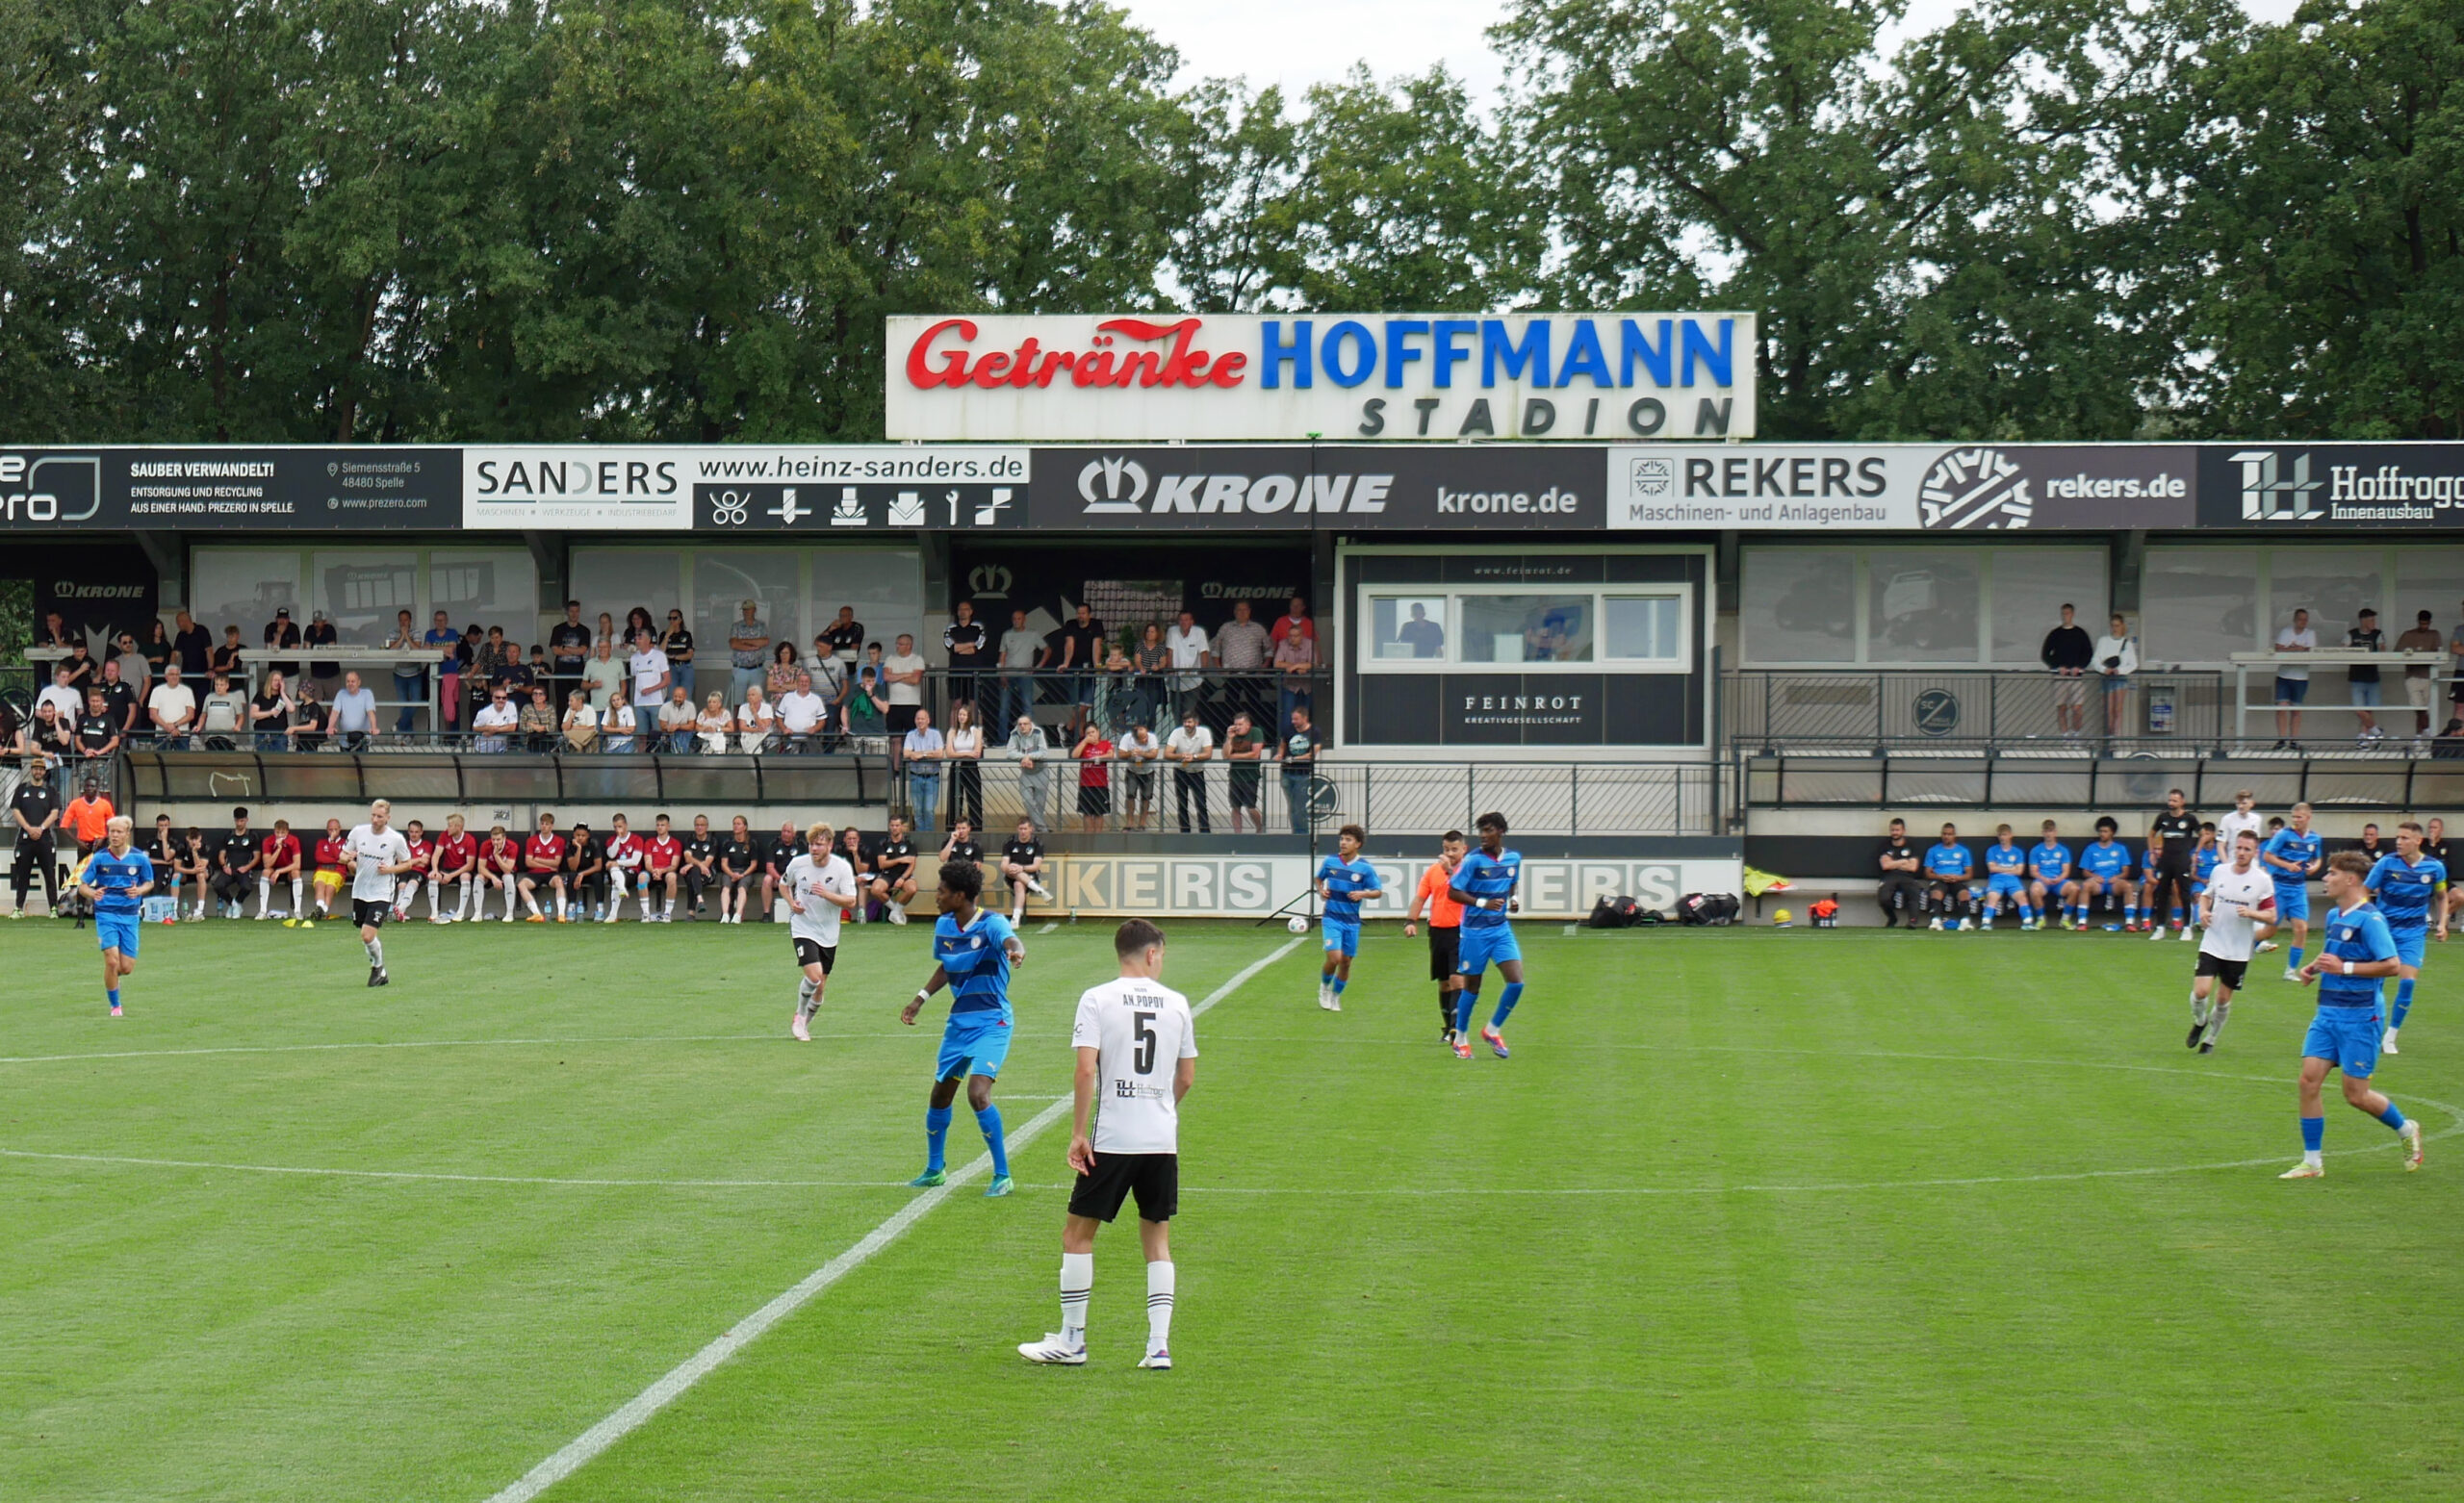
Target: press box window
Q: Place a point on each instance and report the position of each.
(1641, 628)
(1527, 629)
(1409, 628)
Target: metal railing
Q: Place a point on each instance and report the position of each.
(1773, 710)
(1877, 780)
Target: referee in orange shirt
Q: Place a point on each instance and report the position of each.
(1445, 927)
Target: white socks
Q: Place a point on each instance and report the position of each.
(296, 896)
(646, 902)
(375, 949)
(1077, 1283)
(264, 895)
(2215, 1020)
(1159, 1306)
(808, 998)
(2198, 1008)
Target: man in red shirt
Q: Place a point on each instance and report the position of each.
(329, 875)
(497, 862)
(423, 851)
(1296, 618)
(543, 864)
(625, 868)
(457, 860)
(1445, 927)
(280, 853)
(660, 859)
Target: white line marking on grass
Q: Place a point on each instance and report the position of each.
(425, 1043)
(1572, 927)
(634, 1412)
(1047, 928)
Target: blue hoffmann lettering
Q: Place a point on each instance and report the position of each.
(1542, 351)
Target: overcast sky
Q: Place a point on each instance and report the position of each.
(1300, 42)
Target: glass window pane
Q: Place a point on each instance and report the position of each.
(2332, 584)
(2197, 605)
(1798, 605)
(1640, 627)
(723, 581)
(612, 581)
(361, 590)
(243, 587)
(1922, 606)
(884, 585)
(2427, 580)
(1407, 626)
(1525, 629)
(2030, 587)
(493, 586)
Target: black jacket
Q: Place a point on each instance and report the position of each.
(2066, 647)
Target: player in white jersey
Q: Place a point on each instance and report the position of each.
(2235, 911)
(2245, 816)
(1134, 1037)
(378, 854)
(819, 894)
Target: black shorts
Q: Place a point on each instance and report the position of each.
(370, 915)
(2229, 971)
(1155, 1178)
(901, 718)
(1444, 946)
(813, 952)
(731, 881)
(1095, 800)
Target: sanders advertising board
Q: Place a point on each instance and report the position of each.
(747, 487)
(1920, 487)
(2331, 486)
(1359, 487)
(1111, 377)
(202, 490)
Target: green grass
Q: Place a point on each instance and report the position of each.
(1749, 1215)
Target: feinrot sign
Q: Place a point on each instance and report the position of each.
(1333, 376)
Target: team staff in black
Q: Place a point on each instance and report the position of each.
(1903, 889)
(893, 880)
(234, 862)
(738, 861)
(782, 849)
(2172, 850)
(34, 810)
(961, 844)
(170, 857)
(701, 868)
(1022, 868)
(966, 640)
(586, 871)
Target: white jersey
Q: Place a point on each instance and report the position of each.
(2229, 936)
(1142, 1030)
(370, 854)
(2228, 826)
(807, 880)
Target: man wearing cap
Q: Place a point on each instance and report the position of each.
(2363, 677)
(34, 810)
(321, 633)
(282, 632)
(748, 652)
(2421, 685)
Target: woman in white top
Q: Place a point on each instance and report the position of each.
(580, 724)
(715, 723)
(757, 719)
(962, 748)
(2116, 657)
(616, 725)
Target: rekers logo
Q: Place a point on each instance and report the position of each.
(1118, 487)
(2271, 492)
(1980, 488)
(55, 488)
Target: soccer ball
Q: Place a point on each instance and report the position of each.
(1784, 918)
(1296, 924)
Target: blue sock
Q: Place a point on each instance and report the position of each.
(990, 1120)
(1338, 984)
(1464, 1001)
(1506, 1000)
(2393, 1116)
(2396, 1019)
(937, 1134)
(2027, 915)
(2314, 1131)
(114, 995)
(2295, 962)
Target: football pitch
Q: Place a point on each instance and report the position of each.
(1749, 1215)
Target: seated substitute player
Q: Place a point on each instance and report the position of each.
(625, 868)
(2291, 857)
(585, 873)
(661, 854)
(738, 865)
(701, 868)
(973, 952)
(2104, 873)
(1137, 1042)
(378, 854)
(457, 864)
(2235, 911)
(115, 880)
(543, 865)
(198, 866)
(821, 887)
(1023, 869)
(2005, 868)
(331, 871)
(235, 859)
(777, 855)
(1445, 928)
(422, 858)
(167, 851)
(1949, 866)
(2204, 861)
(893, 885)
(499, 854)
(1343, 880)
(2355, 954)
(2049, 879)
(279, 861)
(1484, 885)
(2408, 887)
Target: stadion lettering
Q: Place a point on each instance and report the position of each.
(1922, 487)
(1517, 487)
(200, 489)
(1095, 377)
(2331, 486)
(755, 487)
(1554, 890)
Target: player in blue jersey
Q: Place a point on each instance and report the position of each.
(2355, 952)
(2291, 857)
(1948, 866)
(2104, 873)
(2005, 868)
(115, 880)
(2204, 861)
(973, 952)
(1344, 879)
(2050, 877)
(2410, 889)
(1484, 885)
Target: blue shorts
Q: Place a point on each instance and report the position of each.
(1481, 948)
(117, 932)
(2345, 1036)
(2410, 945)
(2292, 691)
(2293, 900)
(1342, 935)
(2004, 885)
(973, 1043)
(2091, 883)
(2366, 694)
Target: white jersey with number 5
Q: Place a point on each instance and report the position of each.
(2229, 936)
(370, 854)
(809, 879)
(1140, 1030)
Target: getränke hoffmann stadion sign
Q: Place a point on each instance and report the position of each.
(1342, 377)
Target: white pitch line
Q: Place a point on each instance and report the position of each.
(1047, 928)
(417, 1043)
(638, 1409)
